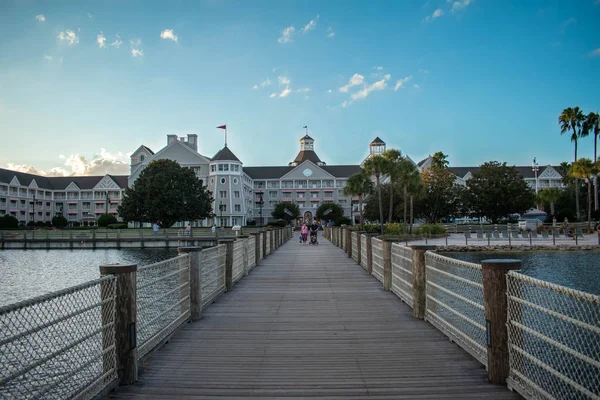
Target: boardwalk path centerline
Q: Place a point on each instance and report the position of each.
(309, 322)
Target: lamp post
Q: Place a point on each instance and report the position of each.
(221, 212)
(34, 202)
(260, 206)
(535, 167)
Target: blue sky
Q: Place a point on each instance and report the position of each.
(84, 83)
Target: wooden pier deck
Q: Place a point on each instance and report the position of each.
(310, 323)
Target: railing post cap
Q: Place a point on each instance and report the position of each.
(113, 269)
(423, 247)
(501, 263)
(188, 249)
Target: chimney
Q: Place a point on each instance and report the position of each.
(192, 141)
(171, 139)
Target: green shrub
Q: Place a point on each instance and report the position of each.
(76, 224)
(342, 221)
(251, 223)
(372, 228)
(40, 224)
(48, 224)
(59, 221)
(7, 221)
(431, 229)
(30, 224)
(117, 226)
(279, 224)
(394, 229)
(107, 219)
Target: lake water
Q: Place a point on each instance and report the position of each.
(25, 274)
(575, 269)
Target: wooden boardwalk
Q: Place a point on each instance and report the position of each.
(310, 323)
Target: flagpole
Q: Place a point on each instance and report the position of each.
(226, 136)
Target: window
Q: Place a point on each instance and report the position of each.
(220, 167)
(300, 195)
(273, 184)
(235, 181)
(223, 180)
(213, 168)
(222, 194)
(212, 181)
(225, 167)
(223, 207)
(236, 194)
(273, 193)
(272, 204)
(237, 208)
(314, 195)
(315, 205)
(142, 158)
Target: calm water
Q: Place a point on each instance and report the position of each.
(29, 273)
(575, 269)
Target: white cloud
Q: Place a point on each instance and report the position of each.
(40, 18)
(329, 91)
(90, 16)
(286, 34)
(303, 90)
(273, 95)
(255, 87)
(595, 53)
(400, 83)
(168, 34)
(311, 25)
(101, 164)
(263, 84)
(135, 42)
(416, 86)
(355, 80)
(285, 92)
(379, 68)
(68, 36)
(101, 39)
(49, 58)
(459, 5)
(387, 77)
(137, 53)
(330, 33)
(361, 94)
(283, 80)
(117, 43)
(346, 103)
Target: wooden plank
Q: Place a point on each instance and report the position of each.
(309, 322)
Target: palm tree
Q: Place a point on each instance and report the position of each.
(393, 158)
(376, 165)
(584, 168)
(439, 160)
(572, 119)
(409, 177)
(359, 185)
(550, 195)
(592, 125)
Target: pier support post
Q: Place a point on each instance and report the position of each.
(125, 320)
(195, 280)
(495, 305)
(348, 248)
(419, 279)
(228, 262)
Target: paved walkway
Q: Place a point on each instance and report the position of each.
(310, 323)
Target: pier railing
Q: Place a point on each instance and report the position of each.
(554, 340)
(542, 339)
(60, 345)
(79, 342)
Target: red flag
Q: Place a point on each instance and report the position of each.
(222, 127)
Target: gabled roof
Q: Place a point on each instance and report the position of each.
(525, 171)
(225, 155)
(423, 161)
(148, 149)
(338, 171)
(306, 137)
(58, 182)
(377, 141)
(342, 171)
(305, 155)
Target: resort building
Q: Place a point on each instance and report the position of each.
(241, 193)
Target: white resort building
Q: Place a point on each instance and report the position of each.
(241, 193)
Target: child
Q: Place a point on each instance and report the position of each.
(300, 239)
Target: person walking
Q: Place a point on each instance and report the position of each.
(304, 232)
(155, 228)
(213, 229)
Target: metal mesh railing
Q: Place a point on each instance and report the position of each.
(455, 302)
(251, 251)
(163, 300)
(363, 251)
(554, 340)
(355, 240)
(238, 267)
(377, 253)
(60, 345)
(402, 273)
(213, 273)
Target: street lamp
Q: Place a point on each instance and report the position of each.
(34, 202)
(260, 206)
(221, 212)
(535, 167)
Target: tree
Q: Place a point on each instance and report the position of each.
(330, 211)
(106, 219)
(410, 179)
(359, 185)
(592, 125)
(441, 194)
(376, 165)
(59, 221)
(439, 160)
(166, 193)
(8, 221)
(572, 119)
(497, 190)
(584, 169)
(286, 211)
(392, 170)
(551, 196)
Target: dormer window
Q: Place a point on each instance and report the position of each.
(142, 157)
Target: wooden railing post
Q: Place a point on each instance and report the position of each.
(125, 320)
(369, 254)
(195, 280)
(264, 243)
(359, 245)
(256, 247)
(272, 240)
(386, 250)
(495, 305)
(419, 279)
(348, 248)
(228, 262)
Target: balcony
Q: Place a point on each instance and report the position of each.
(315, 190)
(328, 199)
(72, 212)
(328, 190)
(301, 199)
(286, 199)
(313, 199)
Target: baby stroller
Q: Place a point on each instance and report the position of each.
(313, 237)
